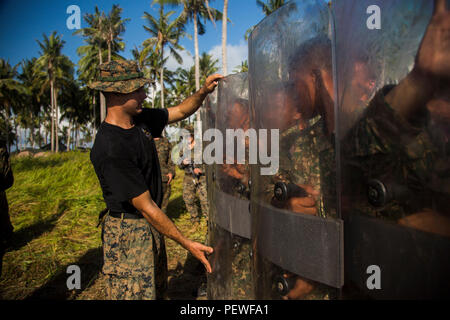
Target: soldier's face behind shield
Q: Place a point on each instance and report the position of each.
(238, 116)
(283, 111)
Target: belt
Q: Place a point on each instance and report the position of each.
(126, 215)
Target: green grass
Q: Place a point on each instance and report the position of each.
(54, 207)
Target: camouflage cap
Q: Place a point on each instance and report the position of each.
(121, 76)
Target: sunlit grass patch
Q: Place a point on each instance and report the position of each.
(54, 206)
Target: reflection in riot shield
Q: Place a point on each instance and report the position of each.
(230, 227)
(297, 233)
(394, 150)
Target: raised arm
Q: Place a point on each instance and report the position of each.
(191, 104)
(432, 66)
(163, 224)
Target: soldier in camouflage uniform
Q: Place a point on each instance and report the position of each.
(307, 144)
(194, 183)
(402, 140)
(395, 139)
(164, 148)
(235, 179)
(125, 160)
(6, 181)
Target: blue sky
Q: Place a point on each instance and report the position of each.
(22, 22)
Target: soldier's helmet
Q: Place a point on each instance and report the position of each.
(120, 76)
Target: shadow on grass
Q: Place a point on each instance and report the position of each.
(176, 207)
(186, 280)
(29, 164)
(23, 236)
(56, 288)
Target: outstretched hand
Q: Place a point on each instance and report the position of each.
(211, 83)
(200, 251)
(433, 57)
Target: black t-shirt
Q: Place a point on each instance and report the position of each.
(126, 160)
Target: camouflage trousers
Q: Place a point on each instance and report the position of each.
(241, 275)
(135, 261)
(166, 189)
(190, 190)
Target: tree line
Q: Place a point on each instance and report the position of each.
(48, 92)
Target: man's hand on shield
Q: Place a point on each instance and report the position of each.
(433, 57)
(211, 83)
(305, 205)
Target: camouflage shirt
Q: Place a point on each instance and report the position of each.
(308, 158)
(191, 158)
(384, 146)
(164, 149)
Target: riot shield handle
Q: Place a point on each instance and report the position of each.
(283, 191)
(377, 193)
(284, 285)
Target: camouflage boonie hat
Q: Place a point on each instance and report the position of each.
(120, 76)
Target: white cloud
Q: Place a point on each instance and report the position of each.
(188, 61)
(235, 55)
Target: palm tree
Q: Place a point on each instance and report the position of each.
(208, 66)
(75, 102)
(32, 107)
(184, 80)
(113, 27)
(51, 61)
(195, 11)
(103, 33)
(164, 33)
(267, 8)
(10, 92)
(271, 6)
(243, 67)
(148, 62)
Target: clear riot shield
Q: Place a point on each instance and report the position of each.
(230, 229)
(296, 231)
(208, 116)
(394, 152)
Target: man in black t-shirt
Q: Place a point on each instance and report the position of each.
(126, 163)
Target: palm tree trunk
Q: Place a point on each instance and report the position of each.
(102, 97)
(162, 78)
(68, 135)
(95, 119)
(109, 51)
(224, 38)
(52, 116)
(32, 133)
(197, 58)
(56, 121)
(153, 95)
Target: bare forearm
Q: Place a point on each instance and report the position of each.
(188, 107)
(162, 223)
